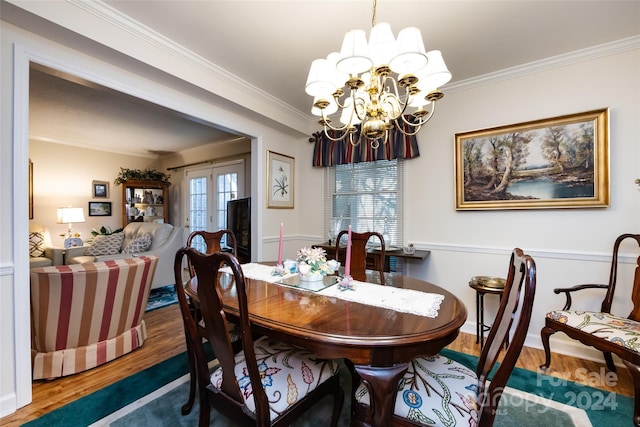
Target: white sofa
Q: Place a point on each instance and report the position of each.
(41, 251)
(165, 242)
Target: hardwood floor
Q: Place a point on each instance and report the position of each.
(166, 339)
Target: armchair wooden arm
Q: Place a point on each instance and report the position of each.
(567, 292)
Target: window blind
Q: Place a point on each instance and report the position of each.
(368, 196)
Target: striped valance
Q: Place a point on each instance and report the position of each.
(330, 153)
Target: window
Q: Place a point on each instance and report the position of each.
(368, 196)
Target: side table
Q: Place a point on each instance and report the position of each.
(485, 285)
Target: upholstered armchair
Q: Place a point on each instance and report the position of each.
(41, 251)
(85, 315)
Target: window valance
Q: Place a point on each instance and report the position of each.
(330, 153)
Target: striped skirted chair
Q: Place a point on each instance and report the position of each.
(85, 315)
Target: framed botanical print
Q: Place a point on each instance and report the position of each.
(280, 185)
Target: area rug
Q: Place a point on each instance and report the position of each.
(154, 396)
(161, 297)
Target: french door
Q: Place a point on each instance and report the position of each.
(209, 189)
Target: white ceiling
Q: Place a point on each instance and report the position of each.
(270, 45)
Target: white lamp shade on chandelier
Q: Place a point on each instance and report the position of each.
(383, 79)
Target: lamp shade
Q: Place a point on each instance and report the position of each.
(354, 55)
(70, 215)
(411, 55)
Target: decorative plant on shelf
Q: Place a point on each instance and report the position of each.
(141, 175)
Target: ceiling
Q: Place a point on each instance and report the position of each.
(270, 45)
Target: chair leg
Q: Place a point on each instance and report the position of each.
(338, 403)
(545, 333)
(355, 382)
(609, 360)
(186, 408)
(634, 370)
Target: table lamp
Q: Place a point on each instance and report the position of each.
(69, 216)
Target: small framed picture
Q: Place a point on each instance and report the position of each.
(100, 189)
(280, 173)
(99, 208)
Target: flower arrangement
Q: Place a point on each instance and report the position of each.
(312, 261)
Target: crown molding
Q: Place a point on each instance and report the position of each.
(563, 60)
(151, 37)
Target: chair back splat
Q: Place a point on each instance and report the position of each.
(516, 306)
(227, 388)
(213, 241)
(360, 254)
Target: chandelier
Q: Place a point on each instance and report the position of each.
(386, 79)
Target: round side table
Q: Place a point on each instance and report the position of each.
(485, 285)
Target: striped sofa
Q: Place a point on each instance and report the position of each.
(85, 315)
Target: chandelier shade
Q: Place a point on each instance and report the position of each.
(379, 84)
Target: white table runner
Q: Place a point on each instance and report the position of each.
(257, 271)
(398, 299)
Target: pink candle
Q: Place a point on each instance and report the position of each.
(347, 266)
(280, 246)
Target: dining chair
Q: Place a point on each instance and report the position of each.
(608, 329)
(360, 254)
(436, 390)
(213, 242)
(267, 383)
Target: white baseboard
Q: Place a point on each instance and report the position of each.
(8, 404)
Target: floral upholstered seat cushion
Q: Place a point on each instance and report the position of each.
(434, 391)
(288, 374)
(616, 329)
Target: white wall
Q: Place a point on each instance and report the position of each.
(570, 246)
(63, 176)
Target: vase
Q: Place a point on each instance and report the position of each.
(311, 277)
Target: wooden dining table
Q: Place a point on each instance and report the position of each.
(379, 342)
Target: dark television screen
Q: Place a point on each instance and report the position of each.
(239, 221)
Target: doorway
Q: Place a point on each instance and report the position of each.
(208, 190)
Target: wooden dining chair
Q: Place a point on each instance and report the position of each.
(360, 254)
(212, 241)
(436, 390)
(269, 382)
(604, 330)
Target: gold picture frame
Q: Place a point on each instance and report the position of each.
(280, 181)
(560, 162)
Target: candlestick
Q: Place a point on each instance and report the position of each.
(280, 246)
(347, 266)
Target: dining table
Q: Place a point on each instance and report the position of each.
(376, 338)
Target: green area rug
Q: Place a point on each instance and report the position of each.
(161, 297)
(154, 396)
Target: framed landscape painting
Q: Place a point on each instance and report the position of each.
(280, 172)
(99, 208)
(561, 162)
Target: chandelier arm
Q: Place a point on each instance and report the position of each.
(423, 120)
(326, 124)
(355, 144)
(340, 138)
(413, 133)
